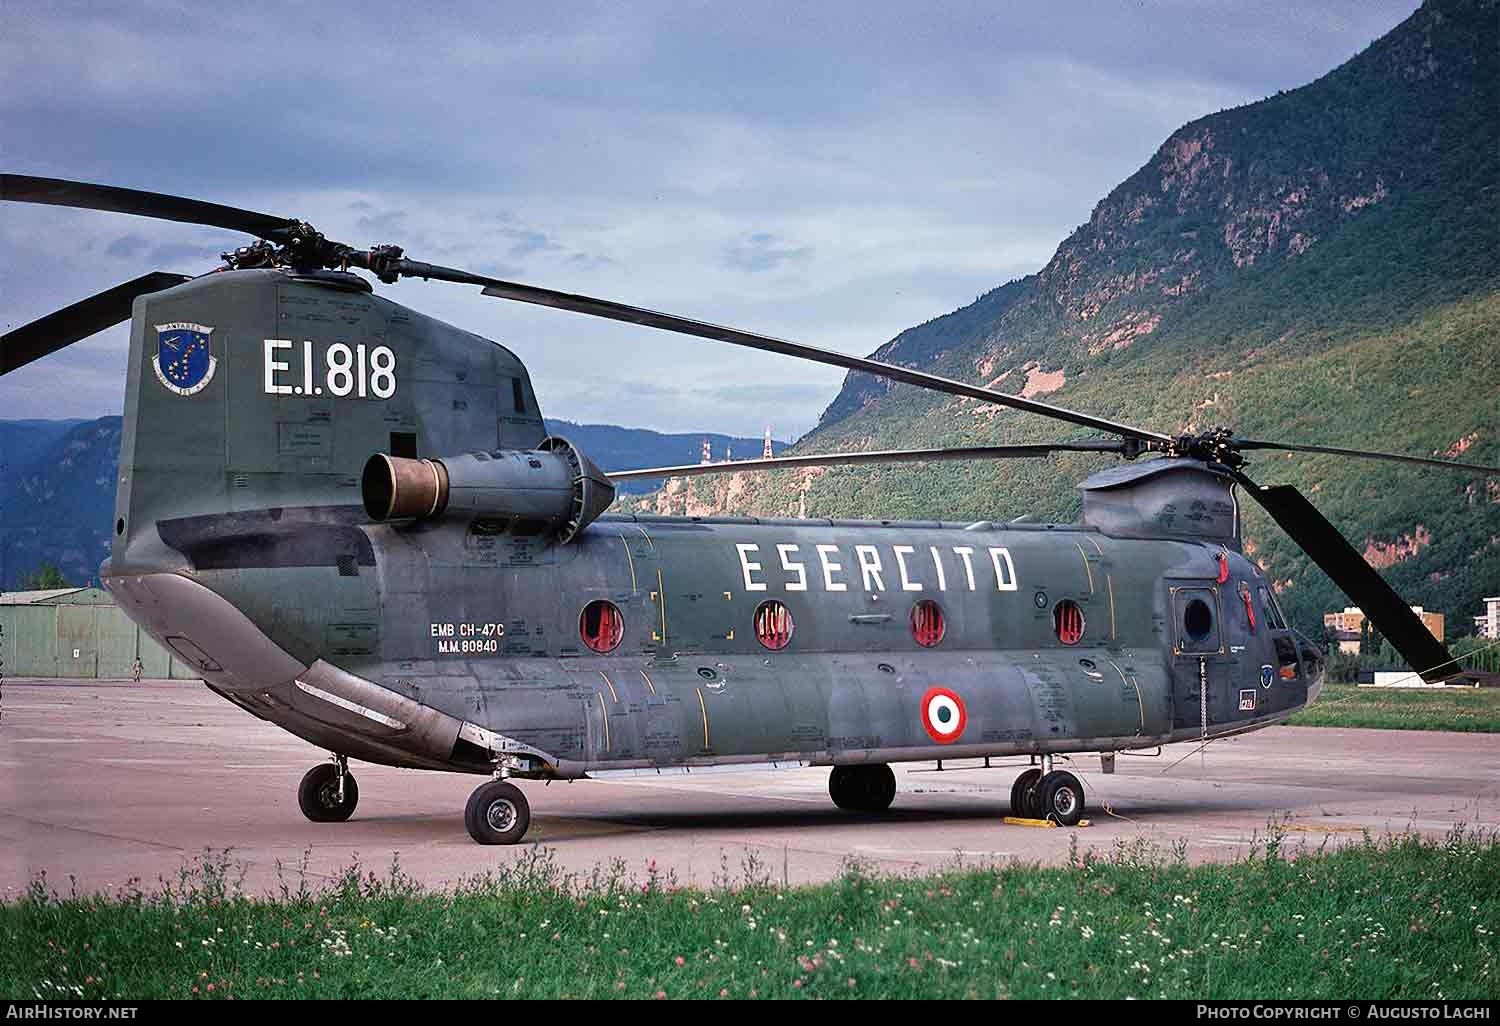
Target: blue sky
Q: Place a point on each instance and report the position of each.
(830, 172)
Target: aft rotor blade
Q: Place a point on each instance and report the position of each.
(1338, 559)
(59, 192)
(1364, 454)
(838, 459)
(84, 318)
(682, 325)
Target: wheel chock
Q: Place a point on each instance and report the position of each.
(1046, 824)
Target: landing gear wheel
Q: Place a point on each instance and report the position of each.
(1023, 795)
(497, 813)
(862, 788)
(1061, 798)
(318, 794)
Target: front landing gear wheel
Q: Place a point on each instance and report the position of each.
(862, 788)
(319, 796)
(1024, 795)
(497, 813)
(1061, 798)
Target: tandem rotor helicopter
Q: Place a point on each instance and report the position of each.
(350, 518)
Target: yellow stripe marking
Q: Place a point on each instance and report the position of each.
(646, 536)
(1095, 545)
(1109, 579)
(609, 684)
(1139, 701)
(603, 715)
(704, 709)
(647, 678)
(1086, 568)
(662, 591)
(630, 559)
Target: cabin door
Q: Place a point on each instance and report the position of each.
(1202, 692)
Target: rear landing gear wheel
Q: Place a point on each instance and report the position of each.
(862, 788)
(1061, 797)
(320, 797)
(1024, 803)
(497, 813)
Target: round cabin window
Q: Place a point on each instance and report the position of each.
(1067, 619)
(927, 623)
(773, 625)
(1198, 620)
(601, 626)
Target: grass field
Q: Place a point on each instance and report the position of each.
(1346, 705)
(1400, 917)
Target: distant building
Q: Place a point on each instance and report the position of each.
(1345, 629)
(766, 452)
(1488, 625)
(78, 632)
(708, 453)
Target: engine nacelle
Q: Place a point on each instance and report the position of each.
(554, 488)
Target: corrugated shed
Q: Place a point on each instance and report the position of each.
(78, 632)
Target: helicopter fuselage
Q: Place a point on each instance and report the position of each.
(490, 630)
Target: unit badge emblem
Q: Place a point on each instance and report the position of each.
(184, 361)
(1267, 674)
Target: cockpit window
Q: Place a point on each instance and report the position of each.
(1274, 616)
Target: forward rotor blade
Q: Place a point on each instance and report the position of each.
(1431, 461)
(63, 327)
(59, 192)
(669, 322)
(1338, 559)
(838, 459)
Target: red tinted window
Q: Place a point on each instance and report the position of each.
(927, 623)
(601, 626)
(1068, 619)
(773, 624)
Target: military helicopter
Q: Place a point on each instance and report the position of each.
(350, 518)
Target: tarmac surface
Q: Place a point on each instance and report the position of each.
(102, 782)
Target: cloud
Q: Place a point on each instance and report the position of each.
(127, 247)
(762, 252)
(526, 242)
(832, 173)
(185, 253)
(379, 224)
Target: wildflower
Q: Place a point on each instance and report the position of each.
(680, 961)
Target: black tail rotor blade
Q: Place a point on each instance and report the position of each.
(84, 318)
(59, 192)
(1347, 568)
(842, 459)
(1364, 454)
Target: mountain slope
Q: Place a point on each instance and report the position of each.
(622, 448)
(57, 496)
(1320, 266)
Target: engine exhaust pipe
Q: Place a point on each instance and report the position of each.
(396, 488)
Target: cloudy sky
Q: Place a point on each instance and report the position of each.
(831, 172)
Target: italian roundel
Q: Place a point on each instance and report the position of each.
(943, 715)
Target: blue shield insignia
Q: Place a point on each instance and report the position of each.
(1267, 674)
(184, 361)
